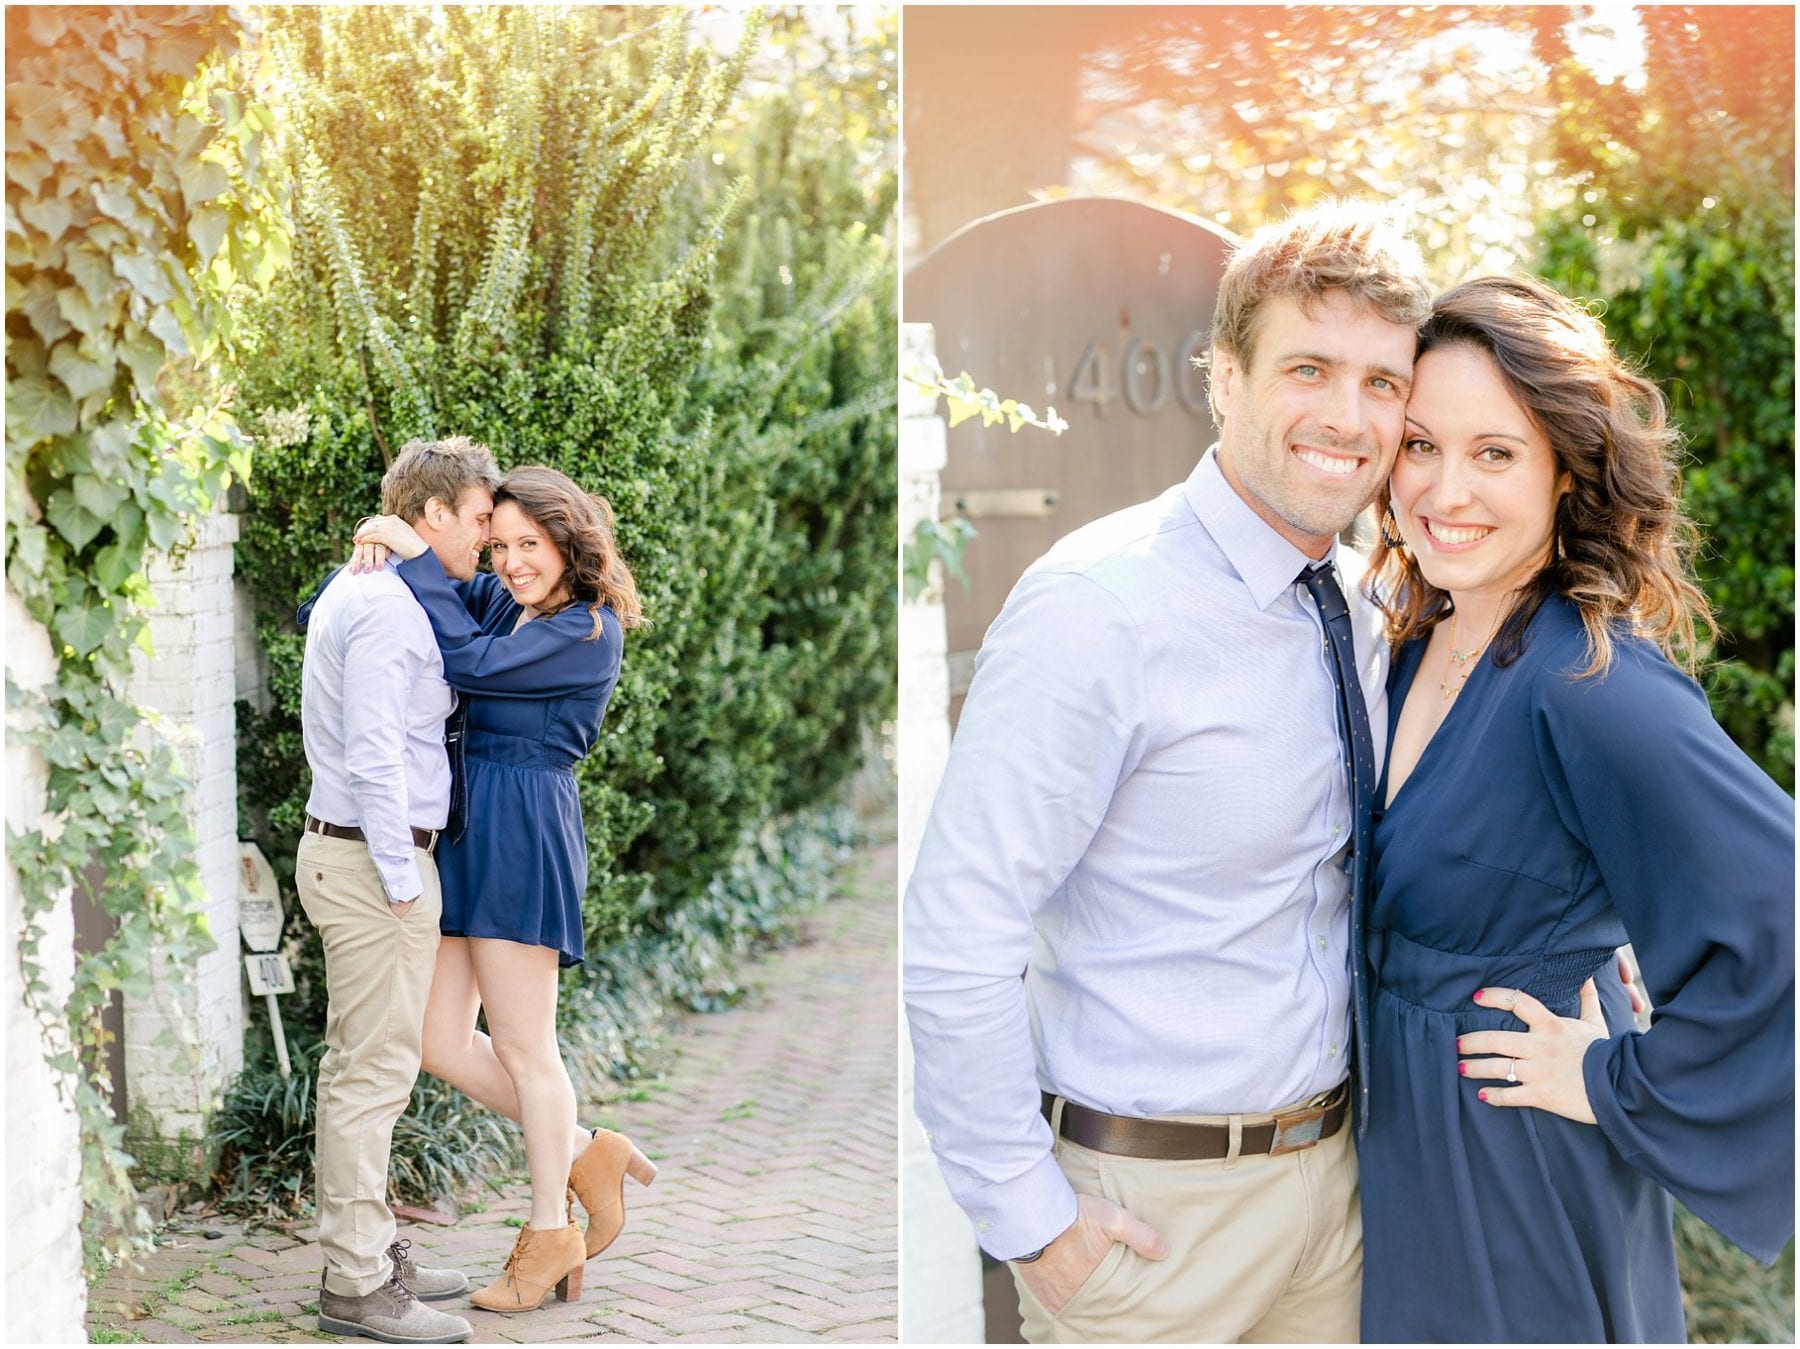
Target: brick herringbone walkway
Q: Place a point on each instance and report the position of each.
(774, 1218)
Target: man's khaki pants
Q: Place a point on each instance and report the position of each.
(1261, 1249)
(378, 977)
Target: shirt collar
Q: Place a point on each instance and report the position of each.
(1266, 562)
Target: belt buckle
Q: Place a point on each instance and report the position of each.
(1297, 1130)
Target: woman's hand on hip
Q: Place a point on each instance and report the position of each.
(1540, 1066)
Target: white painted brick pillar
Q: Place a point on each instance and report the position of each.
(46, 1296)
(941, 1282)
(192, 681)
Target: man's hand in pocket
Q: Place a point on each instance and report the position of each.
(1069, 1261)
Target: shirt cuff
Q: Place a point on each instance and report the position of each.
(402, 882)
(1025, 1214)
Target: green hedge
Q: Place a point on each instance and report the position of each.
(1683, 230)
(557, 231)
(1705, 304)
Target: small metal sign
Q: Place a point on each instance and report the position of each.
(259, 900)
(269, 973)
(259, 922)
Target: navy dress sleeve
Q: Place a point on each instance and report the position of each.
(1695, 846)
(550, 657)
(480, 595)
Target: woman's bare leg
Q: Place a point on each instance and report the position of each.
(518, 986)
(454, 1050)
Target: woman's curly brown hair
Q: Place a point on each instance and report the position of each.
(580, 524)
(1622, 547)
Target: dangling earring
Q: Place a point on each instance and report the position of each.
(1390, 530)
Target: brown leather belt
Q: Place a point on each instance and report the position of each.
(1166, 1140)
(422, 838)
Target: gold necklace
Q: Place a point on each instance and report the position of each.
(1460, 660)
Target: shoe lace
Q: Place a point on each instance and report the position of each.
(513, 1258)
(402, 1294)
(401, 1252)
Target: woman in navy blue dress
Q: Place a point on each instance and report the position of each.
(534, 647)
(1556, 786)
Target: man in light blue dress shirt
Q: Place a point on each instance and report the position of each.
(373, 707)
(1128, 932)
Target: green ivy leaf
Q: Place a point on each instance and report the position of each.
(49, 215)
(80, 374)
(30, 543)
(116, 564)
(87, 316)
(166, 527)
(960, 409)
(86, 625)
(111, 135)
(167, 327)
(38, 408)
(144, 272)
(100, 496)
(121, 206)
(206, 227)
(88, 266)
(201, 180)
(43, 309)
(38, 108)
(108, 445)
(71, 520)
(145, 356)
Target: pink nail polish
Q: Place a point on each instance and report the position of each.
(1463, 1068)
(1477, 997)
(1481, 1096)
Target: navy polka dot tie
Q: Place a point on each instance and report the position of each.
(1359, 769)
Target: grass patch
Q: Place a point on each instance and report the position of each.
(742, 1110)
(1729, 1298)
(255, 1318)
(513, 1222)
(113, 1335)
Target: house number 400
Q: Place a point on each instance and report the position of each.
(1142, 375)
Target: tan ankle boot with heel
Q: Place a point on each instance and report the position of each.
(598, 1180)
(539, 1262)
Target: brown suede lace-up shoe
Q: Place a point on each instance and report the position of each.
(539, 1262)
(391, 1313)
(422, 1281)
